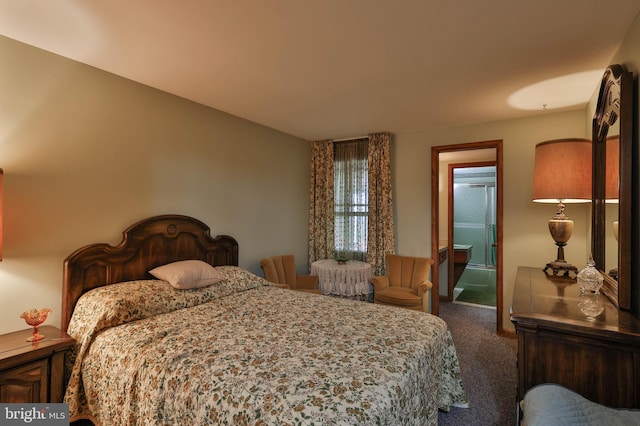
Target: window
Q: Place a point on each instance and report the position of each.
(351, 198)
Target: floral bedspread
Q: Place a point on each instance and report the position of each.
(244, 352)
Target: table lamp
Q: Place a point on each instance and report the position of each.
(562, 175)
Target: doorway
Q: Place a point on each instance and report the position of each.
(442, 229)
(472, 213)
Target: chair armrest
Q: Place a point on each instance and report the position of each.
(423, 287)
(309, 282)
(380, 282)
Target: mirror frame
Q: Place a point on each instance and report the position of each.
(615, 102)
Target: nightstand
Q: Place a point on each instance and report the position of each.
(33, 372)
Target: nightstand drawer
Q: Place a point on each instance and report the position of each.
(25, 384)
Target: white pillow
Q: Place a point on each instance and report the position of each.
(187, 274)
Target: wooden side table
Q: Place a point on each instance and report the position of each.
(33, 372)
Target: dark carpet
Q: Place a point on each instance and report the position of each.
(487, 364)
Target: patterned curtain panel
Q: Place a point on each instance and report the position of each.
(381, 234)
(321, 216)
(350, 198)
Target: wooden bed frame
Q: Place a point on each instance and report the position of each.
(149, 243)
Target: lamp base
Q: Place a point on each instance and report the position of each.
(561, 228)
(561, 266)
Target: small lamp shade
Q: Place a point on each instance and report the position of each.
(562, 171)
(612, 174)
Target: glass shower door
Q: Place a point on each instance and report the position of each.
(474, 220)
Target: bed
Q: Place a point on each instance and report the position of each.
(239, 351)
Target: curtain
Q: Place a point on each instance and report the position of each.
(321, 215)
(350, 198)
(379, 219)
(381, 233)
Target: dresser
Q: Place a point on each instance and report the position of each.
(33, 372)
(558, 343)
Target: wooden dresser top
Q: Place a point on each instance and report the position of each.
(553, 301)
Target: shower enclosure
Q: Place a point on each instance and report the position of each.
(474, 223)
(474, 213)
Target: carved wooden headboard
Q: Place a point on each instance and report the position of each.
(149, 243)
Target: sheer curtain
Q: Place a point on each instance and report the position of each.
(351, 198)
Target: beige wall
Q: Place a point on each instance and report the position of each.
(86, 154)
(526, 237)
(629, 53)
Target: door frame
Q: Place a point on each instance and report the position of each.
(435, 219)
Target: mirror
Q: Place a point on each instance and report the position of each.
(612, 163)
(612, 197)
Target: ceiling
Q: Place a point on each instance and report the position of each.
(342, 68)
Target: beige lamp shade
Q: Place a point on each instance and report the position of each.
(562, 171)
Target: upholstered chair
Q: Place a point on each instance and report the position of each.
(281, 270)
(406, 283)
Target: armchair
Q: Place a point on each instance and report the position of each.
(281, 270)
(406, 283)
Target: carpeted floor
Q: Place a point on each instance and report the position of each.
(488, 366)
